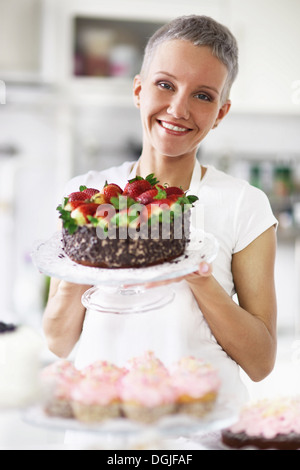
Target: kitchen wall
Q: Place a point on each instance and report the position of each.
(55, 123)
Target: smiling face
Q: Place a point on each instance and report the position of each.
(179, 96)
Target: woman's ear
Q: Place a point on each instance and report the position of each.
(222, 113)
(137, 86)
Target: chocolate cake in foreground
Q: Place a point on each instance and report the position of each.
(266, 424)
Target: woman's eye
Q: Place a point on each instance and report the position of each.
(203, 96)
(165, 86)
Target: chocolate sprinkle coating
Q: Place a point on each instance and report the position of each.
(86, 247)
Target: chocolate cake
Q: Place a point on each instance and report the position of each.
(143, 225)
(279, 442)
(266, 424)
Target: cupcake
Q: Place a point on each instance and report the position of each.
(196, 385)
(58, 380)
(146, 397)
(104, 369)
(148, 363)
(95, 399)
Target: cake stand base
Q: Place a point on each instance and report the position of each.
(121, 300)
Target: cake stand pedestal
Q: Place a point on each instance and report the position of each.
(127, 300)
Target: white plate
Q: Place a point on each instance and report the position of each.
(223, 415)
(49, 257)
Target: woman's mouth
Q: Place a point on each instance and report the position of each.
(173, 128)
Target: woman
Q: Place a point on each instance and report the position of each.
(183, 93)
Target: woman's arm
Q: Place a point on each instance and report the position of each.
(247, 332)
(63, 316)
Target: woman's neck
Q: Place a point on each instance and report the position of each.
(175, 171)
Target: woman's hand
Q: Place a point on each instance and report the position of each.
(205, 270)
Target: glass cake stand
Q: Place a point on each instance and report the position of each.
(124, 291)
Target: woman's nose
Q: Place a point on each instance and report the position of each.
(179, 107)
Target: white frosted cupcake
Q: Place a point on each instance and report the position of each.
(196, 384)
(95, 400)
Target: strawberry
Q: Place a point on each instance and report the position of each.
(139, 185)
(152, 195)
(135, 188)
(169, 200)
(90, 192)
(81, 212)
(174, 190)
(111, 190)
(77, 196)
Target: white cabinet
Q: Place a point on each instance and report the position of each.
(20, 40)
(61, 22)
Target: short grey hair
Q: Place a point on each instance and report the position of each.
(201, 31)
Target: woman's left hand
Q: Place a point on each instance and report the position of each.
(204, 270)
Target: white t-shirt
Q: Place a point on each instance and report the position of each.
(235, 213)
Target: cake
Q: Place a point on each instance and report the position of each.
(272, 423)
(96, 399)
(20, 351)
(58, 380)
(196, 384)
(141, 225)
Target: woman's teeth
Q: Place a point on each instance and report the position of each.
(173, 128)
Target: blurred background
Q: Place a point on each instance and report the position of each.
(66, 69)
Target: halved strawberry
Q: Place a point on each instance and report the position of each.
(81, 212)
(71, 205)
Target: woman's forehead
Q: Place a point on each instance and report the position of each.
(182, 58)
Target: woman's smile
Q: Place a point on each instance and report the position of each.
(173, 128)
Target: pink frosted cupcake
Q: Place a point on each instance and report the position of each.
(58, 380)
(104, 370)
(95, 400)
(146, 397)
(148, 363)
(196, 385)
